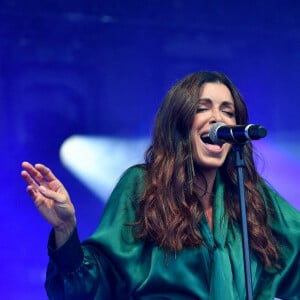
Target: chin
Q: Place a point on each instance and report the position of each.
(211, 164)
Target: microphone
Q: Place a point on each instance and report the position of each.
(221, 133)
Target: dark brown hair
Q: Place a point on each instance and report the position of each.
(170, 210)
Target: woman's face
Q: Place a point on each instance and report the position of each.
(216, 105)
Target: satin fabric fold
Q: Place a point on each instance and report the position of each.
(116, 266)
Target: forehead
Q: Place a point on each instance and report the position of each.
(215, 91)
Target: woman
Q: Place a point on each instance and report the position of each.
(171, 228)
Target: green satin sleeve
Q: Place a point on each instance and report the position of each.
(77, 272)
(286, 227)
(92, 270)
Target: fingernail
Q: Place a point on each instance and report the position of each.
(42, 189)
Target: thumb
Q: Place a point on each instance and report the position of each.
(48, 193)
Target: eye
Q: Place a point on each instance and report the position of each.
(229, 113)
(201, 109)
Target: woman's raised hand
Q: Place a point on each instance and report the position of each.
(51, 199)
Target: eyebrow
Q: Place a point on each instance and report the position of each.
(224, 103)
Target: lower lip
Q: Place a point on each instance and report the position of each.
(213, 148)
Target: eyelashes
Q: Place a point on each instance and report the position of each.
(201, 109)
(230, 114)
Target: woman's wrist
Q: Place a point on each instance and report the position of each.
(63, 232)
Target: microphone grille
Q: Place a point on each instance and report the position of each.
(213, 133)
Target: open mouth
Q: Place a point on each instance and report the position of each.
(206, 139)
(213, 148)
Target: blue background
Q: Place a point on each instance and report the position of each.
(101, 68)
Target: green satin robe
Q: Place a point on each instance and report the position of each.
(112, 265)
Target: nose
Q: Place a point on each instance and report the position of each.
(215, 116)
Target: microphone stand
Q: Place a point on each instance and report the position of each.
(240, 164)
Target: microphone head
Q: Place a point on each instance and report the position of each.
(256, 132)
(221, 133)
(213, 133)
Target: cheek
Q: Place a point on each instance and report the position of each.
(194, 138)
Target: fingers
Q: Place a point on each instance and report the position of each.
(49, 194)
(33, 192)
(33, 179)
(41, 181)
(28, 176)
(31, 174)
(38, 174)
(45, 172)
(40, 194)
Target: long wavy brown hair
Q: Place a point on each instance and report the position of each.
(169, 211)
